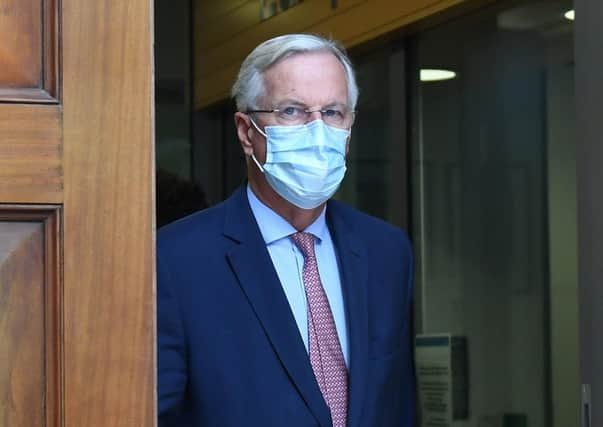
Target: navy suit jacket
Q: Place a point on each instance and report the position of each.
(229, 350)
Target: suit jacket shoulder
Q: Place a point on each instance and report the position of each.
(375, 233)
(188, 229)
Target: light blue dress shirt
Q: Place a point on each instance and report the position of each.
(289, 263)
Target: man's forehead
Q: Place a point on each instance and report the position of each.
(307, 75)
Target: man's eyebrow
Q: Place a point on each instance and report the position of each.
(293, 102)
(335, 104)
(297, 103)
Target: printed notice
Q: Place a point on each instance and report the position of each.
(442, 380)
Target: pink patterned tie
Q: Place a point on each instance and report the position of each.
(326, 356)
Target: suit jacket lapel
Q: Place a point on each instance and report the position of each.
(354, 272)
(251, 263)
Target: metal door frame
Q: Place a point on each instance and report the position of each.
(589, 150)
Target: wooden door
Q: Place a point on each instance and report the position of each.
(76, 213)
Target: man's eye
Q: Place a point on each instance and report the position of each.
(333, 113)
(290, 111)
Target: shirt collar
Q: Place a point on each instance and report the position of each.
(274, 227)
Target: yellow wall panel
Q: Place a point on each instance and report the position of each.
(215, 87)
(222, 44)
(215, 31)
(230, 45)
(210, 10)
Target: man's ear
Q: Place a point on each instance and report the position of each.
(244, 132)
(347, 144)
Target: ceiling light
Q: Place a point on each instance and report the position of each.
(569, 15)
(433, 75)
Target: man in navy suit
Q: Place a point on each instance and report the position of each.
(281, 307)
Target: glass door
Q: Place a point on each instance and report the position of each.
(494, 218)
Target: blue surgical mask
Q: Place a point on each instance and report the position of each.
(305, 163)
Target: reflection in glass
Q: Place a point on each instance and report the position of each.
(376, 179)
(494, 208)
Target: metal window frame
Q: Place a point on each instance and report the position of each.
(588, 47)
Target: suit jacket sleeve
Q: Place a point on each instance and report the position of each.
(171, 349)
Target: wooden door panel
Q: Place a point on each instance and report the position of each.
(76, 151)
(30, 154)
(108, 213)
(21, 50)
(29, 313)
(28, 51)
(21, 324)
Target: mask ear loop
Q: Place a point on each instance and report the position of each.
(265, 136)
(257, 163)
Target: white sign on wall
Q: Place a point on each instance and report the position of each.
(441, 365)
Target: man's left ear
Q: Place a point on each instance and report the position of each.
(347, 144)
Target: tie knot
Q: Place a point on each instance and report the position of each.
(305, 243)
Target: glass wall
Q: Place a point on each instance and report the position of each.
(377, 178)
(491, 203)
(493, 167)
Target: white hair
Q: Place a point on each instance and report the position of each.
(249, 86)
